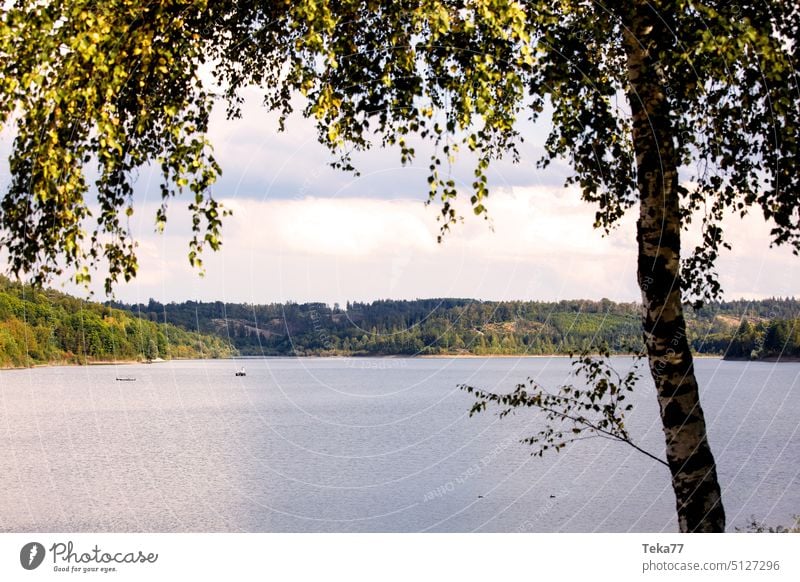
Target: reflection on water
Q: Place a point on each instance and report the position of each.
(362, 445)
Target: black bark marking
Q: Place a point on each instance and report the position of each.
(697, 491)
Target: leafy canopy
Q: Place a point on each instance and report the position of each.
(593, 409)
(112, 84)
(118, 84)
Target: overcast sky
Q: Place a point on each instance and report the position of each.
(302, 231)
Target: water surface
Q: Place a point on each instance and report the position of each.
(341, 445)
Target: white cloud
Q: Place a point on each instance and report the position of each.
(303, 231)
(348, 228)
(541, 246)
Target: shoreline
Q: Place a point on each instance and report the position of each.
(67, 364)
(769, 360)
(354, 357)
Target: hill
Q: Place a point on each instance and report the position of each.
(48, 327)
(757, 329)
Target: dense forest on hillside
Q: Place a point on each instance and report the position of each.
(47, 327)
(740, 329)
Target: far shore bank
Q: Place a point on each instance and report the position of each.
(773, 360)
(57, 364)
(67, 363)
(769, 359)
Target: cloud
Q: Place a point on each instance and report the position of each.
(258, 161)
(303, 231)
(538, 244)
(347, 228)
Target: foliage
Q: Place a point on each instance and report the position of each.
(44, 326)
(462, 74)
(773, 339)
(118, 84)
(465, 326)
(755, 526)
(595, 408)
(113, 84)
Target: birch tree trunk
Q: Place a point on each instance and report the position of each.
(691, 463)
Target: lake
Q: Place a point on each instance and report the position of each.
(351, 445)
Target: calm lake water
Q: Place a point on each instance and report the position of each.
(337, 445)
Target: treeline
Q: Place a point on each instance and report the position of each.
(46, 327)
(770, 339)
(466, 326)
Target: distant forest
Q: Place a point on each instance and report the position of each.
(48, 327)
(45, 326)
(737, 329)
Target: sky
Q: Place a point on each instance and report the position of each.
(302, 231)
